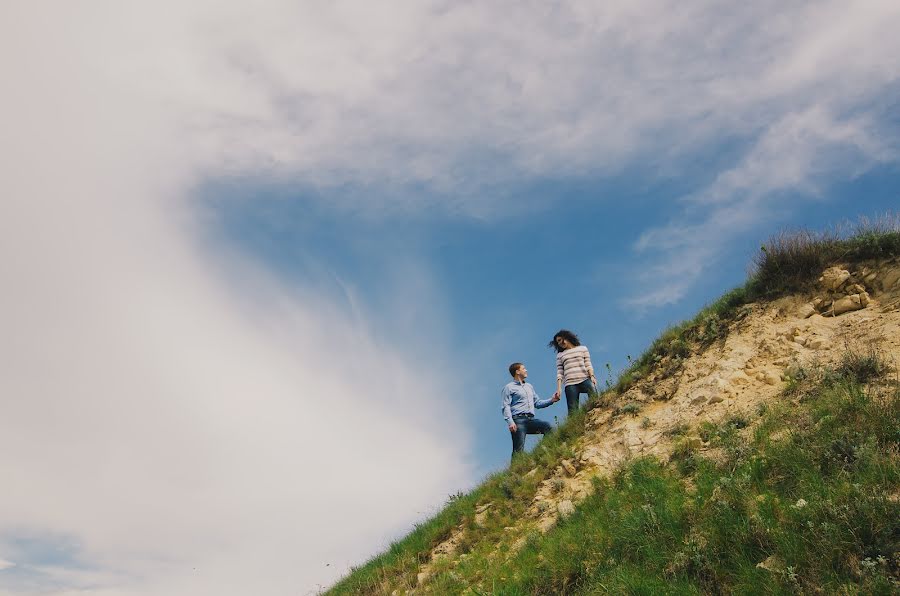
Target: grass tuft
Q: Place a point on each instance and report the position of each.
(862, 367)
(790, 261)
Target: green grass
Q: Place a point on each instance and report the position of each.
(817, 506)
(701, 526)
(810, 491)
(510, 491)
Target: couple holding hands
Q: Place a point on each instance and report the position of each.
(574, 376)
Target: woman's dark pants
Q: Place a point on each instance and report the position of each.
(573, 392)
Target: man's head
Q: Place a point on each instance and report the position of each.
(518, 371)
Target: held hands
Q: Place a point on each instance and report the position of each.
(555, 397)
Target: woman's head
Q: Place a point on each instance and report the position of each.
(563, 340)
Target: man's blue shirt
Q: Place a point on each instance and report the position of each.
(520, 398)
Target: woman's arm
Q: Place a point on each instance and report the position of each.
(589, 366)
(559, 374)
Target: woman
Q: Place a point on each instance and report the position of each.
(573, 368)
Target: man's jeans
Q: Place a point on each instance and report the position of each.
(526, 425)
(574, 391)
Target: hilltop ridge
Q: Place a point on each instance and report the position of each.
(705, 401)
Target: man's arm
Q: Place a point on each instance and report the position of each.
(543, 403)
(506, 399)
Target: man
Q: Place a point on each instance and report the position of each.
(519, 402)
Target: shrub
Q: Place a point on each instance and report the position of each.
(861, 367)
(631, 408)
(790, 260)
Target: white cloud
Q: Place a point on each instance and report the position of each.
(172, 417)
(191, 432)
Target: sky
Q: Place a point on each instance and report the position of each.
(264, 266)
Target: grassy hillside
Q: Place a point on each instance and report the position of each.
(802, 495)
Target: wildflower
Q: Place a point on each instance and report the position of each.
(800, 504)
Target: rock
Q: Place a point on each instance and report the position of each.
(480, 518)
(800, 339)
(422, 577)
(869, 278)
(739, 378)
(715, 400)
(565, 508)
(698, 400)
(582, 492)
(833, 278)
(771, 378)
(531, 473)
(891, 278)
(806, 311)
(855, 289)
(816, 343)
(849, 304)
(772, 564)
(568, 467)
(486, 506)
(591, 454)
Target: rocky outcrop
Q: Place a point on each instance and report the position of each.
(844, 289)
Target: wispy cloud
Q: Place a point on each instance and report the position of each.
(820, 113)
(795, 158)
(468, 98)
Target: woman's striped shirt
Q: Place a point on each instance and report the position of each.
(573, 365)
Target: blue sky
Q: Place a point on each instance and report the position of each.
(264, 267)
(509, 283)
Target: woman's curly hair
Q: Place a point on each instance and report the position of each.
(565, 334)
